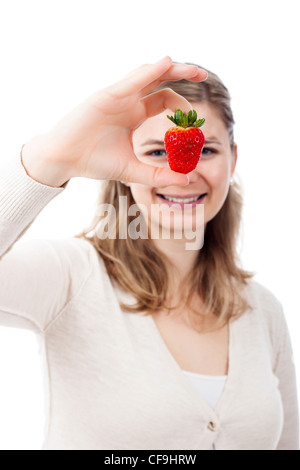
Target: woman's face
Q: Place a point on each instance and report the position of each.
(210, 179)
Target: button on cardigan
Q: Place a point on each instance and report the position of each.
(110, 381)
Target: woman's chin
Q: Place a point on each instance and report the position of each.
(177, 230)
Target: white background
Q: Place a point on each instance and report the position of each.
(56, 53)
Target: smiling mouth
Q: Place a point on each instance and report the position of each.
(182, 200)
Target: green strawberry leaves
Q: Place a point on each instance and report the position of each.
(200, 122)
(186, 120)
(192, 117)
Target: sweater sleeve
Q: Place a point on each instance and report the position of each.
(34, 280)
(285, 371)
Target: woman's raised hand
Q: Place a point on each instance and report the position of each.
(95, 139)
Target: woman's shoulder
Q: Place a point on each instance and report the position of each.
(266, 305)
(76, 256)
(77, 250)
(68, 246)
(259, 294)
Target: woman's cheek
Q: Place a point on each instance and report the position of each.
(218, 173)
(135, 191)
(141, 194)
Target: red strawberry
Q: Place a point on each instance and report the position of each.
(184, 142)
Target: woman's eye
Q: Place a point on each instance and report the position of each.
(157, 153)
(207, 152)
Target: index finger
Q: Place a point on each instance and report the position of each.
(147, 76)
(177, 72)
(143, 76)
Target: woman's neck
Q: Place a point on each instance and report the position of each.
(181, 261)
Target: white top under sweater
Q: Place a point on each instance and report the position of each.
(209, 387)
(110, 380)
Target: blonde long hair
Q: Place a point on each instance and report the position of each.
(139, 268)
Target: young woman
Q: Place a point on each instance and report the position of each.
(146, 344)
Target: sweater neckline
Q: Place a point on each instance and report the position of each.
(235, 347)
(183, 379)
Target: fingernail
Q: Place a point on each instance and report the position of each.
(165, 58)
(188, 180)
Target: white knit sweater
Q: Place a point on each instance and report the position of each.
(111, 382)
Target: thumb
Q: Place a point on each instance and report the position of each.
(138, 172)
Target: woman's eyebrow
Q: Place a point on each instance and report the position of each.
(212, 140)
(154, 142)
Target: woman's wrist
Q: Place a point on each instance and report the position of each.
(39, 167)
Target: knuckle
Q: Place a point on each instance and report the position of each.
(169, 91)
(156, 175)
